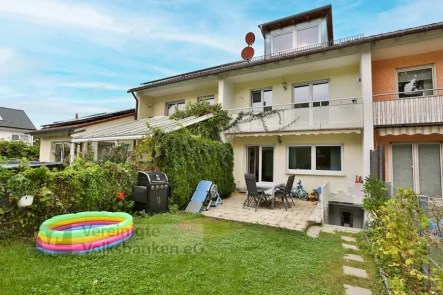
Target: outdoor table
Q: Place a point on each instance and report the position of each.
(269, 189)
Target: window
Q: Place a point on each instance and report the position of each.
(15, 137)
(415, 81)
(307, 36)
(261, 100)
(260, 162)
(300, 157)
(315, 158)
(419, 167)
(61, 151)
(209, 99)
(173, 106)
(283, 42)
(311, 94)
(298, 36)
(24, 137)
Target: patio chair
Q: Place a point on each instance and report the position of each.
(253, 194)
(284, 193)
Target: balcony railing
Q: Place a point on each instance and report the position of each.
(320, 115)
(404, 111)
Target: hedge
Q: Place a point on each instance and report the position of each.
(82, 187)
(187, 159)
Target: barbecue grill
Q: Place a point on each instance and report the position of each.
(151, 192)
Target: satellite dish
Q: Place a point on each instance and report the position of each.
(250, 38)
(247, 53)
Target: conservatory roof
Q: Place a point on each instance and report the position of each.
(136, 129)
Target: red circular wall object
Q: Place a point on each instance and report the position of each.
(247, 53)
(250, 38)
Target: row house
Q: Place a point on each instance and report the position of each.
(332, 101)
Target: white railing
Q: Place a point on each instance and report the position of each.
(413, 110)
(324, 199)
(332, 114)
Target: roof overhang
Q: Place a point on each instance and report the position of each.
(137, 129)
(52, 132)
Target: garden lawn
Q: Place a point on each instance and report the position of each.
(237, 259)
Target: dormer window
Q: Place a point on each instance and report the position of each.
(298, 36)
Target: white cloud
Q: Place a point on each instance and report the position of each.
(67, 12)
(92, 85)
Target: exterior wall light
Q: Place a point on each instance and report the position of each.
(284, 86)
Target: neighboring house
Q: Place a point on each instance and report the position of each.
(56, 142)
(14, 125)
(323, 90)
(407, 76)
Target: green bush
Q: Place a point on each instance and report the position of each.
(210, 128)
(187, 159)
(18, 149)
(84, 186)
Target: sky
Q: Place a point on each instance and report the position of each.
(62, 57)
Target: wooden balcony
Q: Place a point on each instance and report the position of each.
(332, 114)
(409, 111)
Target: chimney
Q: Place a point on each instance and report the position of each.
(76, 116)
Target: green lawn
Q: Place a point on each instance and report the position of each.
(237, 259)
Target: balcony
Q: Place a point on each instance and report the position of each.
(408, 111)
(320, 115)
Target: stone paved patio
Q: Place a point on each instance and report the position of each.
(295, 218)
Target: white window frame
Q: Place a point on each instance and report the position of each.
(17, 139)
(63, 143)
(415, 163)
(313, 170)
(206, 97)
(174, 103)
(260, 148)
(262, 90)
(294, 30)
(420, 67)
(311, 91)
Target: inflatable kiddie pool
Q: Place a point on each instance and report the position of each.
(84, 232)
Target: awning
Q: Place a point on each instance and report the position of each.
(136, 129)
(424, 130)
(305, 132)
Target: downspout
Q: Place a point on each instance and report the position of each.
(136, 113)
(136, 105)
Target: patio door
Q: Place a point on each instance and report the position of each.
(260, 162)
(418, 166)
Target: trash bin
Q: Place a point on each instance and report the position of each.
(151, 192)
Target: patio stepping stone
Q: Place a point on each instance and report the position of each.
(348, 239)
(354, 257)
(351, 290)
(314, 231)
(352, 247)
(357, 272)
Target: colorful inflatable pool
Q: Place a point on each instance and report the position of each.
(84, 232)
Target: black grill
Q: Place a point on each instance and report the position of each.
(151, 192)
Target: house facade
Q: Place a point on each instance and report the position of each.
(317, 130)
(15, 125)
(56, 139)
(408, 111)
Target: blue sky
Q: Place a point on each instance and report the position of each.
(61, 57)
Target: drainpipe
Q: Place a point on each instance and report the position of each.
(136, 105)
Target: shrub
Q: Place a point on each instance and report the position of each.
(376, 194)
(187, 159)
(117, 154)
(210, 128)
(18, 149)
(85, 186)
